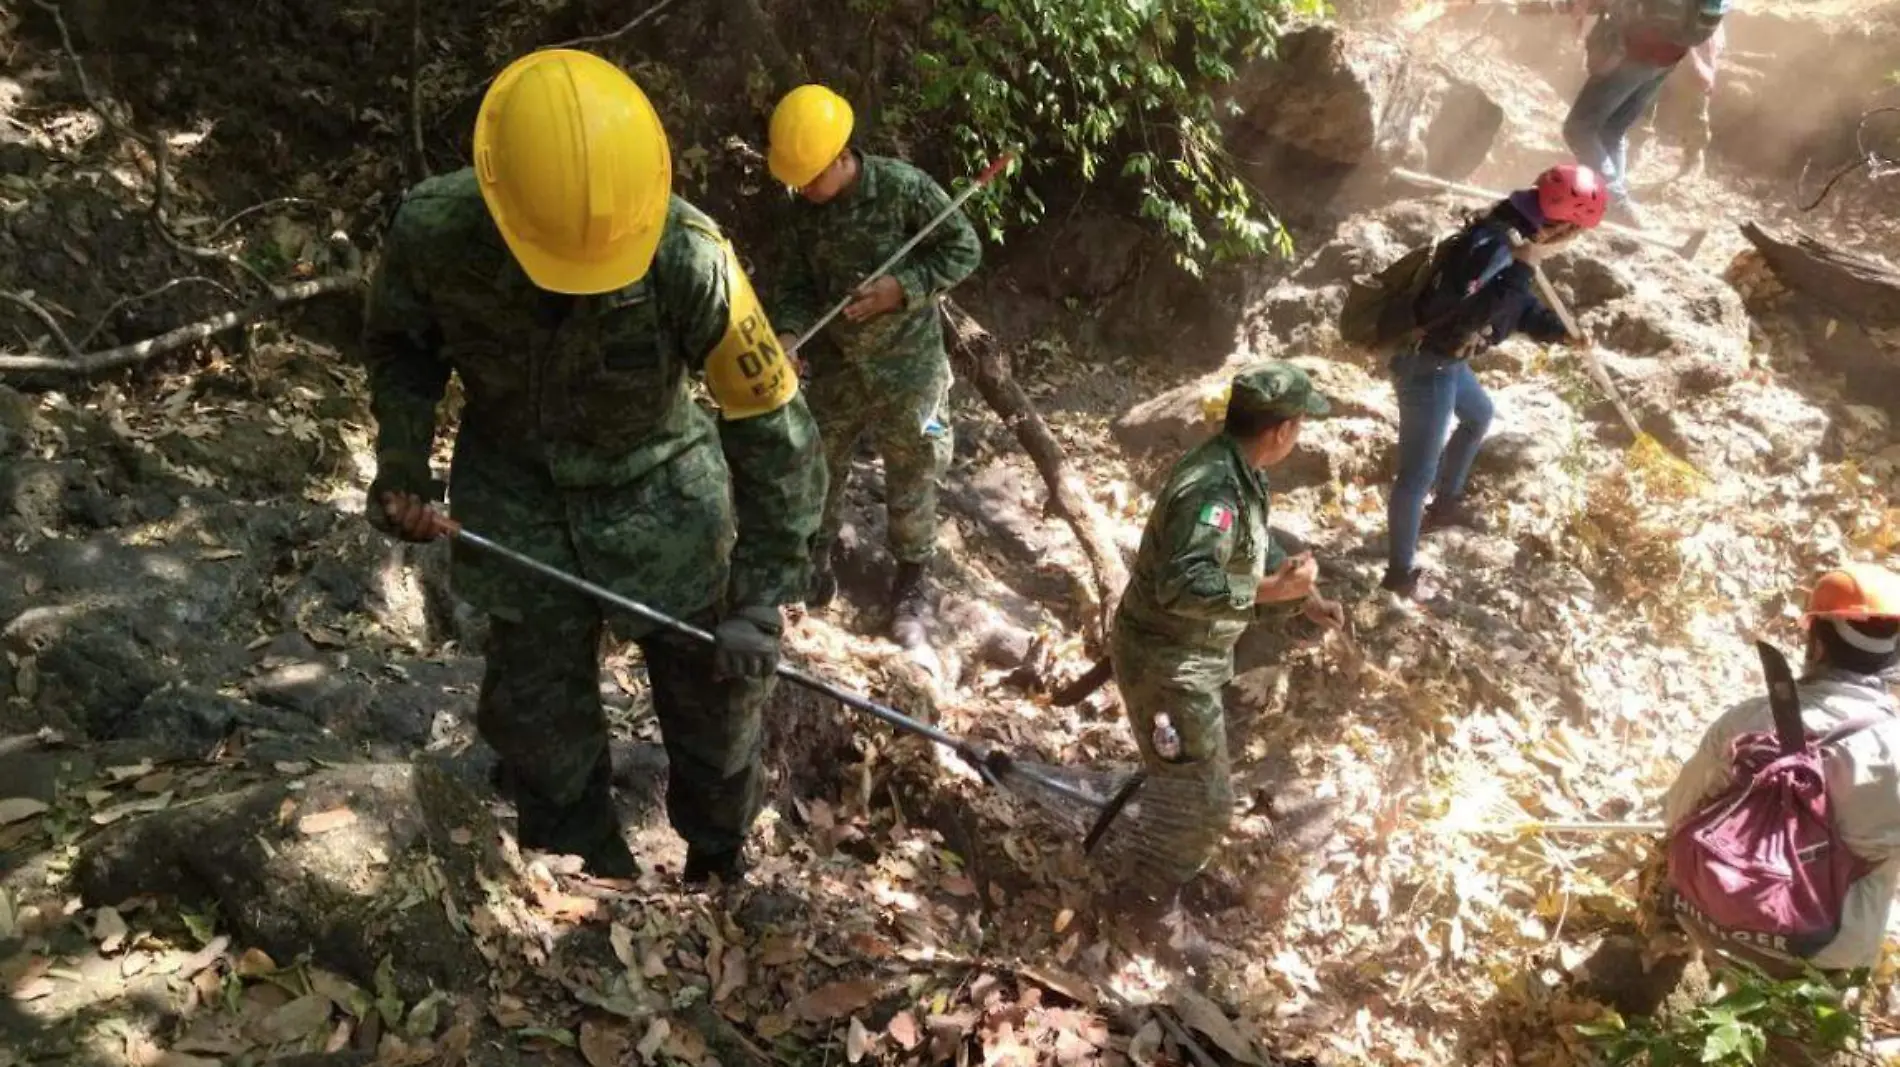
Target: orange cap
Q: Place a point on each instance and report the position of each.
(1855, 592)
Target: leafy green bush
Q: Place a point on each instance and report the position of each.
(1118, 86)
(1735, 1030)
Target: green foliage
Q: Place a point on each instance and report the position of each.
(1734, 1031)
(1122, 89)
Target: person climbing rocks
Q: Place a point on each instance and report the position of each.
(1853, 649)
(1206, 567)
(1630, 50)
(883, 369)
(574, 295)
(1681, 109)
(1481, 292)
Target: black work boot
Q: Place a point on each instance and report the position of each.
(702, 867)
(611, 858)
(824, 581)
(910, 606)
(1405, 585)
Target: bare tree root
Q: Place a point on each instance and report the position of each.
(986, 363)
(76, 362)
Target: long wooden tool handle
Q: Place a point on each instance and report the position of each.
(982, 180)
(1586, 351)
(1686, 250)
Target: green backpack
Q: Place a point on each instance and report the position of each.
(1381, 310)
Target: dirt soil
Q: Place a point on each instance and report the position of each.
(244, 816)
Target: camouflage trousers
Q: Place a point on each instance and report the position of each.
(540, 709)
(909, 425)
(1185, 684)
(663, 541)
(1679, 113)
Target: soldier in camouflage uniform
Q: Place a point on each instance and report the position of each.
(1206, 567)
(575, 302)
(883, 369)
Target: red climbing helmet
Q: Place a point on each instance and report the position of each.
(1571, 192)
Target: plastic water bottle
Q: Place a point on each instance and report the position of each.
(1167, 740)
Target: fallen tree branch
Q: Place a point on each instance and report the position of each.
(1856, 286)
(85, 363)
(988, 365)
(633, 24)
(419, 167)
(123, 302)
(266, 205)
(161, 184)
(1877, 165)
(33, 307)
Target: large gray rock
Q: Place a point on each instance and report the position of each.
(385, 881)
(1355, 96)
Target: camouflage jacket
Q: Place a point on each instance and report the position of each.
(1203, 554)
(831, 247)
(591, 393)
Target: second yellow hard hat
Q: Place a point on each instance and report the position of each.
(810, 127)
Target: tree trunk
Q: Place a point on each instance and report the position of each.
(986, 363)
(1856, 286)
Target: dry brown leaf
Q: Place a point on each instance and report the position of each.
(1064, 918)
(509, 1013)
(732, 973)
(622, 940)
(856, 1041)
(339, 1037)
(134, 963)
(1203, 1015)
(181, 1059)
(155, 783)
(958, 885)
(461, 835)
(685, 1043)
(653, 962)
(33, 989)
(323, 822)
(295, 1020)
(604, 1042)
(777, 950)
(772, 1025)
(209, 986)
(109, 930)
(903, 1030)
(131, 771)
(834, 1000)
(13, 809)
(254, 963)
(120, 811)
(657, 1033)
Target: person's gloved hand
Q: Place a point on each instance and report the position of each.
(398, 500)
(747, 643)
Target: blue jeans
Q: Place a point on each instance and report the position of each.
(1597, 129)
(1431, 390)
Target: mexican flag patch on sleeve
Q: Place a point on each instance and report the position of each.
(1219, 516)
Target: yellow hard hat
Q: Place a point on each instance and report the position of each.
(573, 164)
(810, 127)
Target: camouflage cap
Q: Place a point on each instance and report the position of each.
(1276, 387)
